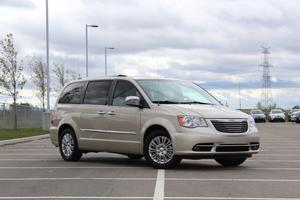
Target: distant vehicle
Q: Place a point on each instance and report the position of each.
(295, 117)
(258, 115)
(276, 115)
(290, 114)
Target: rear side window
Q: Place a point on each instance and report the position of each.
(97, 92)
(72, 94)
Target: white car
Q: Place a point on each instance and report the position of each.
(295, 116)
(276, 115)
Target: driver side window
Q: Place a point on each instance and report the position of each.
(124, 89)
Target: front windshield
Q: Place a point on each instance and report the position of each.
(276, 111)
(175, 91)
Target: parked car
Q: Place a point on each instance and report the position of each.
(295, 117)
(258, 115)
(276, 115)
(290, 114)
(163, 120)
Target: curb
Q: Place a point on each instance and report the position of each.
(24, 139)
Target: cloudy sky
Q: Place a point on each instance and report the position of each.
(213, 42)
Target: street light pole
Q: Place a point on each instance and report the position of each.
(87, 47)
(105, 57)
(47, 59)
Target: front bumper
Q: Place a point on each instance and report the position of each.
(216, 143)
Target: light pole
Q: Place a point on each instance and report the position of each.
(47, 58)
(86, 48)
(105, 54)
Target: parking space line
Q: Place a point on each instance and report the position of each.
(232, 198)
(72, 167)
(76, 178)
(159, 191)
(233, 180)
(73, 197)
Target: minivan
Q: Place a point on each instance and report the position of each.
(163, 120)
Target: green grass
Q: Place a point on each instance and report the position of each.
(6, 134)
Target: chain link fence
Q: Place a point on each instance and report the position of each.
(27, 116)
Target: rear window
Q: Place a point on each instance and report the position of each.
(97, 92)
(72, 94)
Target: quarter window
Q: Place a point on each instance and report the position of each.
(123, 90)
(72, 94)
(97, 92)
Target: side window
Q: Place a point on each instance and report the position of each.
(122, 90)
(72, 94)
(97, 92)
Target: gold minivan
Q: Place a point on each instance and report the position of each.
(163, 120)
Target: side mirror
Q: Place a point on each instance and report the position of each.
(132, 101)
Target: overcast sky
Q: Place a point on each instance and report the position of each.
(213, 42)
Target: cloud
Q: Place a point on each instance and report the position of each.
(216, 42)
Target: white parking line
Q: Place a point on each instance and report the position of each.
(233, 180)
(232, 198)
(76, 178)
(159, 191)
(73, 197)
(133, 167)
(73, 167)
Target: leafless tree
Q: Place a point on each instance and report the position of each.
(12, 79)
(63, 76)
(39, 78)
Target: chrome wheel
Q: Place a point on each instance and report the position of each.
(67, 144)
(161, 149)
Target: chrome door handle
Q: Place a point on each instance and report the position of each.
(111, 112)
(101, 112)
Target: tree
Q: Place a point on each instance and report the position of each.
(259, 105)
(63, 76)
(12, 79)
(39, 78)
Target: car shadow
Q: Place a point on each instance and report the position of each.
(184, 165)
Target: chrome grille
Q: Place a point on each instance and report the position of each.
(230, 126)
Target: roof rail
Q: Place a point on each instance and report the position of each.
(121, 75)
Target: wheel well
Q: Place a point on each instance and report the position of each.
(63, 127)
(152, 128)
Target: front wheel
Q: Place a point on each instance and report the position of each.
(68, 146)
(158, 150)
(231, 161)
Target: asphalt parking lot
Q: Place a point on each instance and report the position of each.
(34, 170)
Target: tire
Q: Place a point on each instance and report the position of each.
(162, 156)
(231, 161)
(135, 156)
(68, 146)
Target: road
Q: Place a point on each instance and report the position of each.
(34, 170)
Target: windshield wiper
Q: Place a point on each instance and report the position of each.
(166, 102)
(196, 102)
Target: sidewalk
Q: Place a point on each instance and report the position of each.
(24, 139)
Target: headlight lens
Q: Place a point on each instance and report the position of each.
(191, 121)
(251, 122)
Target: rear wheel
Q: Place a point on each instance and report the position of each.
(231, 161)
(68, 146)
(158, 150)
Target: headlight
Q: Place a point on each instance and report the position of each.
(251, 122)
(191, 121)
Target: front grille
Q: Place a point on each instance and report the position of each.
(230, 126)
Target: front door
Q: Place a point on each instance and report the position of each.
(124, 121)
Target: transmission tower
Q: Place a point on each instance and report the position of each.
(266, 94)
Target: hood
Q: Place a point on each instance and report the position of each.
(277, 114)
(206, 111)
